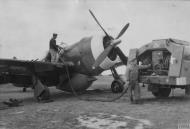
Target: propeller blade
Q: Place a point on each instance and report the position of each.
(122, 31)
(104, 54)
(98, 22)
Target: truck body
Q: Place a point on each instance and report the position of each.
(170, 60)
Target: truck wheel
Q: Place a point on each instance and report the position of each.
(187, 90)
(156, 94)
(162, 92)
(117, 86)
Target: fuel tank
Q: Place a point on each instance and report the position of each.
(77, 82)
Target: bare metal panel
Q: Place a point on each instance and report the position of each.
(175, 60)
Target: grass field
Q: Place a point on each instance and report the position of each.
(69, 112)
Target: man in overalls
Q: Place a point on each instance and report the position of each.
(132, 80)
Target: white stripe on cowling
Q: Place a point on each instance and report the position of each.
(97, 46)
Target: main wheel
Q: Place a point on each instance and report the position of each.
(117, 86)
(162, 92)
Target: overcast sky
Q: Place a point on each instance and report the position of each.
(26, 26)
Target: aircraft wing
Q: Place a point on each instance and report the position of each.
(19, 71)
(36, 66)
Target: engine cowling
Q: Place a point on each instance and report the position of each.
(84, 53)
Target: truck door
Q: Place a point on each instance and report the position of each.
(175, 60)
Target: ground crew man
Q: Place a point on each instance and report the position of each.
(132, 80)
(53, 49)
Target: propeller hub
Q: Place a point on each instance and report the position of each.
(115, 42)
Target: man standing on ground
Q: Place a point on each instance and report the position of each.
(53, 48)
(132, 80)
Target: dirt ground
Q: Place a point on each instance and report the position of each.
(68, 112)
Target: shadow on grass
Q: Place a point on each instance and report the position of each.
(172, 99)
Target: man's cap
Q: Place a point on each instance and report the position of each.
(54, 34)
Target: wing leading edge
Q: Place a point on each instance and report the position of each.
(21, 71)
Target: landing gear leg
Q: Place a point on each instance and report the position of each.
(117, 85)
(41, 92)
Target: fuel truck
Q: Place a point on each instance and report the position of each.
(170, 65)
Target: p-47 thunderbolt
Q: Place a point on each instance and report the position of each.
(90, 56)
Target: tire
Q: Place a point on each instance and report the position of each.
(162, 92)
(117, 86)
(156, 94)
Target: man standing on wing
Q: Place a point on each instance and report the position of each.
(53, 49)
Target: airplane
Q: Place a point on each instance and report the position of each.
(89, 58)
